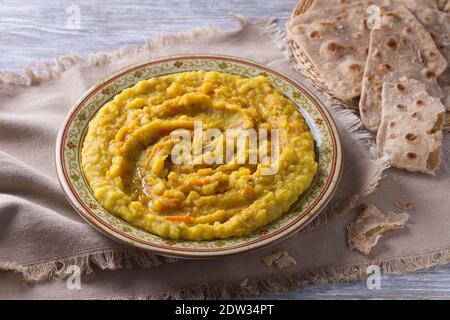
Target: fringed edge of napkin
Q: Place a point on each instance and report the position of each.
(88, 262)
(258, 287)
(49, 70)
(112, 259)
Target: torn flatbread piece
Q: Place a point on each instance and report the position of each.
(444, 5)
(411, 127)
(417, 5)
(437, 23)
(280, 259)
(401, 47)
(412, 5)
(446, 89)
(321, 4)
(403, 205)
(445, 85)
(366, 231)
(336, 41)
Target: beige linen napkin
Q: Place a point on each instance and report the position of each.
(41, 236)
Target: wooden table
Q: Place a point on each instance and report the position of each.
(35, 30)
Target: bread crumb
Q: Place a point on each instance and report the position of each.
(269, 260)
(403, 205)
(279, 259)
(366, 231)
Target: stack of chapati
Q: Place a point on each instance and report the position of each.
(392, 55)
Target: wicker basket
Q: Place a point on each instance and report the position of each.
(308, 69)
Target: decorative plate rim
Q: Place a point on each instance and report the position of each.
(276, 236)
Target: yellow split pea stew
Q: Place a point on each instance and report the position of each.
(128, 155)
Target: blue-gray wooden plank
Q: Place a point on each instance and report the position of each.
(35, 30)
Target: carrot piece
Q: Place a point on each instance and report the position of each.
(170, 204)
(184, 219)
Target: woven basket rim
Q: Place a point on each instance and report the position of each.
(304, 63)
(301, 7)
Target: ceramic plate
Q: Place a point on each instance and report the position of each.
(72, 133)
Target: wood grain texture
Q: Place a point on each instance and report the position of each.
(39, 30)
